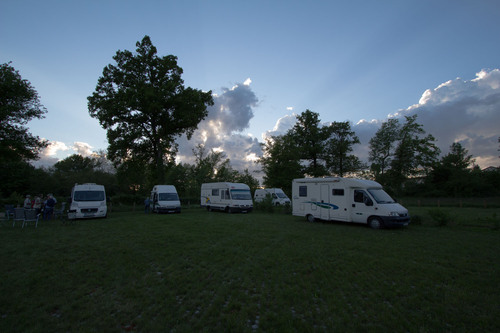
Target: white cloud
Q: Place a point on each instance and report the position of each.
(53, 148)
(82, 148)
(455, 111)
(282, 125)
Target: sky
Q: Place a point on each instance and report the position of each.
(268, 61)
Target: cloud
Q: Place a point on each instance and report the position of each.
(82, 148)
(455, 111)
(463, 111)
(54, 147)
(282, 125)
(47, 157)
(221, 130)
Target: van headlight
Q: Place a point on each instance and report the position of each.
(393, 214)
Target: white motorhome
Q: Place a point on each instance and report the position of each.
(164, 199)
(278, 196)
(348, 200)
(87, 201)
(228, 197)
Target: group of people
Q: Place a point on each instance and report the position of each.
(42, 205)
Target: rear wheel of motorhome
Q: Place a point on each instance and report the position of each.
(375, 222)
(310, 218)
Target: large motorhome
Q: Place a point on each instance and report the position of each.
(87, 201)
(277, 195)
(348, 200)
(164, 199)
(228, 197)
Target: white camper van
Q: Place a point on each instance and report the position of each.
(228, 197)
(279, 197)
(348, 200)
(87, 201)
(164, 199)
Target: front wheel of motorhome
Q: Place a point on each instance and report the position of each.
(310, 218)
(375, 223)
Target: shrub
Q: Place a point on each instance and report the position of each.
(416, 220)
(265, 205)
(441, 218)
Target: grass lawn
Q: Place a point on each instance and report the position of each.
(201, 271)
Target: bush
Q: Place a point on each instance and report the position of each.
(265, 205)
(441, 218)
(416, 220)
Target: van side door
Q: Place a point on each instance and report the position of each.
(361, 206)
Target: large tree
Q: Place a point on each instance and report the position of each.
(142, 103)
(382, 146)
(310, 137)
(280, 162)
(19, 103)
(338, 148)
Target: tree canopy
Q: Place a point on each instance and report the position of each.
(142, 103)
(19, 103)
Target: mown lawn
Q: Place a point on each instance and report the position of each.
(201, 271)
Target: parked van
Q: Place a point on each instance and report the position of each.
(228, 197)
(164, 199)
(348, 200)
(87, 201)
(279, 197)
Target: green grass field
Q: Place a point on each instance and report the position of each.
(201, 271)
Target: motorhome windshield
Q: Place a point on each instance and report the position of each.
(281, 195)
(241, 195)
(168, 197)
(381, 196)
(88, 196)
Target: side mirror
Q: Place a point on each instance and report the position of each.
(368, 202)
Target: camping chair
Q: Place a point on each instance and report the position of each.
(9, 211)
(30, 215)
(59, 213)
(18, 215)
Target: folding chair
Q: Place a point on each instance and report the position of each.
(9, 211)
(59, 213)
(18, 215)
(30, 215)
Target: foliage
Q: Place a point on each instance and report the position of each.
(441, 217)
(280, 162)
(265, 205)
(337, 149)
(382, 146)
(143, 104)
(405, 149)
(309, 149)
(19, 103)
(309, 138)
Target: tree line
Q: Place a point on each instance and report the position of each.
(144, 106)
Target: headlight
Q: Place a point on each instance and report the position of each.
(394, 214)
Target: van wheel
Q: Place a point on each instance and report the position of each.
(310, 218)
(209, 209)
(375, 223)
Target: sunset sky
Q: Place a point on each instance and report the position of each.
(267, 61)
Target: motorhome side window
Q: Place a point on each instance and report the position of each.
(224, 194)
(302, 191)
(338, 191)
(215, 191)
(359, 196)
